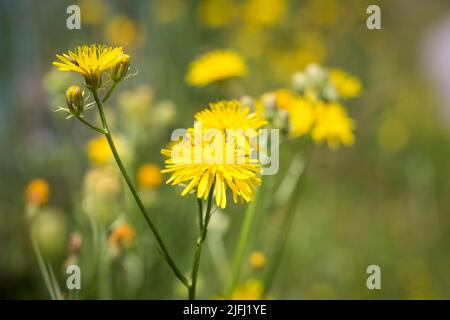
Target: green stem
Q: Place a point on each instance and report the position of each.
(133, 190)
(242, 243)
(283, 235)
(198, 251)
(108, 94)
(90, 125)
(44, 271)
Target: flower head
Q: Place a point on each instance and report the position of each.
(257, 259)
(209, 157)
(346, 85)
(333, 125)
(215, 66)
(90, 61)
(149, 176)
(37, 192)
(252, 289)
(227, 114)
(121, 236)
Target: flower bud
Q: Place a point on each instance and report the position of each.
(120, 70)
(75, 100)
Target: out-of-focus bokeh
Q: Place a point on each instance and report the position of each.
(384, 201)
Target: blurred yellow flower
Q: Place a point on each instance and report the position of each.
(347, 85)
(252, 289)
(37, 192)
(98, 151)
(285, 99)
(202, 158)
(121, 31)
(121, 236)
(229, 114)
(301, 117)
(216, 13)
(93, 11)
(90, 61)
(215, 66)
(263, 12)
(333, 125)
(257, 259)
(393, 134)
(149, 176)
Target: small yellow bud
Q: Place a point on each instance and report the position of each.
(120, 70)
(75, 100)
(257, 259)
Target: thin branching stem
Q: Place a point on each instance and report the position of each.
(133, 190)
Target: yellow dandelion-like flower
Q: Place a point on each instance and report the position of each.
(37, 192)
(207, 157)
(91, 61)
(263, 12)
(285, 99)
(149, 176)
(252, 289)
(121, 236)
(257, 259)
(121, 31)
(216, 13)
(301, 117)
(214, 66)
(98, 151)
(346, 85)
(230, 114)
(333, 125)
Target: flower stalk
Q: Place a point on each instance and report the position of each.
(107, 133)
(286, 224)
(203, 230)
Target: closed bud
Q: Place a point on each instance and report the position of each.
(75, 100)
(120, 70)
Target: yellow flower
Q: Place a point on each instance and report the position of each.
(216, 13)
(149, 176)
(301, 117)
(257, 259)
(214, 66)
(90, 61)
(230, 114)
(121, 236)
(37, 192)
(347, 85)
(252, 289)
(285, 99)
(93, 11)
(121, 31)
(263, 12)
(206, 158)
(333, 125)
(99, 151)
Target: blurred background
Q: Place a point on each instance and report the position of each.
(383, 201)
